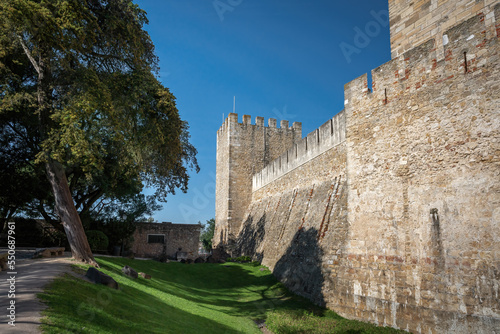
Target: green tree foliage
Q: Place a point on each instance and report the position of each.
(78, 81)
(135, 207)
(21, 181)
(116, 218)
(119, 232)
(97, 240)
(98, 198)
(207, 234)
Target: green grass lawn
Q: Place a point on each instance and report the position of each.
(182, 298)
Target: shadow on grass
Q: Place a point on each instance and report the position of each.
(182, 298)
(241, 290)
(81, 307)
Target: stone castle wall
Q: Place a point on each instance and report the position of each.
(413, 22)
(423, 203)
(297, 221)
(242, 150)
(398, 224)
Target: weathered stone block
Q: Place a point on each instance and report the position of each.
(98, 277)
(129, 271)
(145, 276)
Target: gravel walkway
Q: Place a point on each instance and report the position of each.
(30, 278)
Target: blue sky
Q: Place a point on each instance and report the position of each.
(280, 59)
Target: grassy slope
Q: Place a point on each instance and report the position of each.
(201, 298)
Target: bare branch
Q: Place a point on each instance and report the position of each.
(101, 205)
(28, 53)
(91, 199)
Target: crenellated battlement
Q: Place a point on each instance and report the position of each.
(465, 54)
(466, 51)
(314, 144)
(414, 22)
(232, 120)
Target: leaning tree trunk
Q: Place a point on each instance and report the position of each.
(66, 210)
(65, 207)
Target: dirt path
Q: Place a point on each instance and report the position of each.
(31, 277)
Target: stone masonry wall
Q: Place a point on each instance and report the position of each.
(416, 21)
(423, 156)
(400, 223)
(177, 236)
(299, 219)
(222, 185)
(242, 150)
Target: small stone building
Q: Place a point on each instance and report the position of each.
(160, 240)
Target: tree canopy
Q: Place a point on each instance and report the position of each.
(80, 98)
(207, 234)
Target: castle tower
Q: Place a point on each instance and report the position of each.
(413, 22)
(244, 149)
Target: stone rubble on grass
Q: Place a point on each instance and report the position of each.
(98, 277)
(144, 275)
(130, 272)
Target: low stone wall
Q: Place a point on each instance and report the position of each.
(159, 240)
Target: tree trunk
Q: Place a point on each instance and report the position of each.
(66, 210)
(5, 216)
(54, 223)
(65, 207)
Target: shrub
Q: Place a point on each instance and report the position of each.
(239, 259)
(97, 240)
